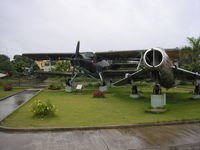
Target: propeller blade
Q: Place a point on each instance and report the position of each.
(77, 49)
(75, 59)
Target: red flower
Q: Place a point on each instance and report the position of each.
(7, 87)
(98, 94)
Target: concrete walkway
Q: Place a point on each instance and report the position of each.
(10, 104)
(158, 137)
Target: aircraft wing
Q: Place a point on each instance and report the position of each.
(185, 74)
(69, 74)
(118, 73)
(120, 55)
(49, 56)
(173, 53)
(115, 66)
(138, 75)
(109, 55)
(2, 75)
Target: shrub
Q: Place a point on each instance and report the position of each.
(7, 87)
(98, 94)
(54, 86)
(43, 108)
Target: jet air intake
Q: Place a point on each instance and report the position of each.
(154, 58)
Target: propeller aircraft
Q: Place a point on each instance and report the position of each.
(95, 65)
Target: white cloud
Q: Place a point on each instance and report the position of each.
(56, 25)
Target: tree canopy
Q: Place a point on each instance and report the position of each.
(17, 66)
(190, 55)
(194, 47)
(5, 64)
(62, 66)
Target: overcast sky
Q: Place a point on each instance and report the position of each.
(33, 26)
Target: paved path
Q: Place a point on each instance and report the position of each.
(162, 137)
(9, 104)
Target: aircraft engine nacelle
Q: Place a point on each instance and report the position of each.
(155, 58)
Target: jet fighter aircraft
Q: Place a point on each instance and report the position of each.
(159, 67)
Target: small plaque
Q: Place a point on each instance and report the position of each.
(79, 87)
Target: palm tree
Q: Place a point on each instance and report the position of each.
(194, 47)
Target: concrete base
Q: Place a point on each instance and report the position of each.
(134, 95)
(156, 110)
(112, 85)
(196, 96)
(103, 88)
(68, 89)
(158, 101)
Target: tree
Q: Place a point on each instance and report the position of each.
(185, 56)
(28, 65)
(194, 47)
(19, 68)
(189, 58)
(20, 58)
(5, 65)
(194, 67)
(62, 66)
(34, 68)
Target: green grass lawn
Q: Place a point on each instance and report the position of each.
(186, 86)
(7, 93)
(81, 109)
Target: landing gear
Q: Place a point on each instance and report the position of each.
(134, 90)
(103, 87)
(157, 89)
(68, 87)
(197, 89)
(69, 84)
(103, 83)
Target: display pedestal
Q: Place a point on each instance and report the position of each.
(103, 88)
(111, 85)
(158, 101)
(68, 89)
(196, 96)
(134, 95)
